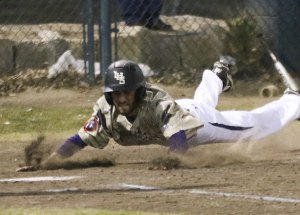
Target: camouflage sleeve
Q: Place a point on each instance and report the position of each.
(174, 119)
(95, 132)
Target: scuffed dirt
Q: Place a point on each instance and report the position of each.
(270, 167)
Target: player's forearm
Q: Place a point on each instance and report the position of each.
(178, 142)
(72, 145)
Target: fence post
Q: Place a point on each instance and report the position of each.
(90, 55)
(104, 35)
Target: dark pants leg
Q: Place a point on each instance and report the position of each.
(140, 11)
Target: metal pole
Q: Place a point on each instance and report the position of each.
(115, 30)
(90, 47)
(104, 35)
(84, 29)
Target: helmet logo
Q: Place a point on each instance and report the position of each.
(119, 76)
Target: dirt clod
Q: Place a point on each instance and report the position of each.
(165, 163)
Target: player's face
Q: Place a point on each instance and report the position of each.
(124, 101)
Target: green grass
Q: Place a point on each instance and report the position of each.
(75, 211)
(42, 120)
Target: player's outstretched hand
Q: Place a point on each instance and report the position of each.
(26, 168)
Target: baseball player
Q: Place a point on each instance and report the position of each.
(133, 112)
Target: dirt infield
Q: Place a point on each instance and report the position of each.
(240, 178)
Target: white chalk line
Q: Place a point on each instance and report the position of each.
(39, 179)
(144, 187)
(136, 186)
(72, 189)
(245, 196)
(222, 194)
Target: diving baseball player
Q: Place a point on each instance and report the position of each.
(133, 112)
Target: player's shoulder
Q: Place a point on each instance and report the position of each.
(154, 93)
(102, 101)
(101, 104)
(153, 87)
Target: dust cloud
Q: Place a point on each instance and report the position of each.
(280, 146)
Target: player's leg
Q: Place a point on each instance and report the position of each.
(205, 97)
(132, 11)
(209, 89)
(275, 115)
(213, 83)
(232, 126)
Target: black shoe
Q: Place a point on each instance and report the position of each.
(159, 25)
(222, 71)
(135, 23)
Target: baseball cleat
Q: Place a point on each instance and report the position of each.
(222, 71)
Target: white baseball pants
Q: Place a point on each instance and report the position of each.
(233, 126)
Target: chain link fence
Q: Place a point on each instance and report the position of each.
(48, 37)
(205, 30)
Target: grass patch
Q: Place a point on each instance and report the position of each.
(75, 211)
(42, 119)
(25, 123)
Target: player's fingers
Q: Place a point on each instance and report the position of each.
(26, 169)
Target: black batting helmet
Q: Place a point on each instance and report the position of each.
(124, 75)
